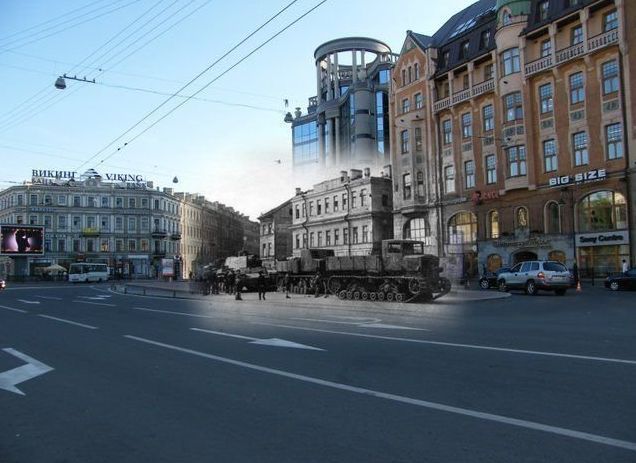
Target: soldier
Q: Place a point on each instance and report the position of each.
(239, 286)
(260, 285)
(287, 285)
(229, 282)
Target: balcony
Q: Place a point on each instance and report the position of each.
(483, 87)
(461, 96)
(176, 236)
(538, 65)
(602, 40)
(90, 231)
(159, 233)
(464, 95)
(569, 53)
(442, 104)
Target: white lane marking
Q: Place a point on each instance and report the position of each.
(13, 309)
(28, 302)
(273, 342)
(63, 320)
(95, 303)
(453, 344)
(406, 400)
(92, 298)
(174, 313)
(364, 323)
(33, 368)
(51, 298)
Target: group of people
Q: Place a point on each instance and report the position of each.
(211, 282)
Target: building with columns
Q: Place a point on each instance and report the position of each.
(519, 113)
(346, 124)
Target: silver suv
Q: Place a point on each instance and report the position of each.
(535, 275)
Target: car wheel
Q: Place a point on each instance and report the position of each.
(501, 285)
(484, 284)
(614, 286)
(531, 288)
(560, 292)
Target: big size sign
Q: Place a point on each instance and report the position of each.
(582, 177)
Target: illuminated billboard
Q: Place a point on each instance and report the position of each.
(21, 239)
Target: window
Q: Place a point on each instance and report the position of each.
(311, 240)
(48, 201)
(447, 131)
(463, 49)
(344, 201)
(576, 35)
(345, 236)
(132, 245)
(419, 101)
(418, 139)
(406, 185)
(403, 77)
(484, 40)
(61, 245)
(417, 229)
(602, 210)
(318, 207)
(336, 236)
(406, 105)
(91, 201)
(335, 204)
(354, 235)
(416, 70)
(513, 107)
(363, 195)
(61, 222)
(77, 222)
(354, 200)
(404, 141)
(297, 211)
(365, 233)
(511, 62)
(469, 169)
(577, 91)
(132, 203)
(119, 223)
(326, 205)
(552, 218)
(467, 125)
(466, 81)
(545, 95)
(462, 228)
(521, 218)
(90, 245)
(119, 202)
(449, 179)
(546, 48)
(33, 220)
(488, 117)
(77, 246)
(410, 74)
(144, 204)
(445, 59)
(550, 155)
(610, 77)
(61, 200)
(579, 143)
(610, 21)
(328, 238)
(544, 6)
(491, 169)
(319, 239)
(614, 141)
(298, 241)
(47, 221)
(77, 201)
(311, 208)
(516, 161)
(420, 184)
(489, 71)
(493, 224)
(33, 200)
(132, 224)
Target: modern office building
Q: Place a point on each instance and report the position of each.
(346, 124)
(350, 214)
(276, 236)
(526, 122)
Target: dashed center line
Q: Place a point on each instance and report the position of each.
(12, 309)
(95, 303)
(70, 322)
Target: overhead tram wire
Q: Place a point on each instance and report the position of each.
(212, 81)
(50, 20)
(7, 46)
(36, 110)
(173, 95)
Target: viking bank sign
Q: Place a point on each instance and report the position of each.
(62, 175)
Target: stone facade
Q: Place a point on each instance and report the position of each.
(275, 235)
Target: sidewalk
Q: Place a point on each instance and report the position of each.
(184, 290)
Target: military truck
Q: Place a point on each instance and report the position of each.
(397, 271)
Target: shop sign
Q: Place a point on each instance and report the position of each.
(581, 177)
(534, 242)
(479, 196)
(602, 239)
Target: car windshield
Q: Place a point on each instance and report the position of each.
(413, 249)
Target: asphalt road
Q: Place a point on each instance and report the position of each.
(122, 378)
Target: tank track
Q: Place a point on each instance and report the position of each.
(396, 288)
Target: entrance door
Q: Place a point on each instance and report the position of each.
(523, 256)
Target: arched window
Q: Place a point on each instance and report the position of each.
(494, 262)
(462, 228)
(521, 218)
(417, 229)
(552, 217)
(603, 210)
(493, 224)
(557, 255)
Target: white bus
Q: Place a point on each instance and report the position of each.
(87, 272)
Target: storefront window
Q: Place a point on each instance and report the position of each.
(462, 228)
(603, 210)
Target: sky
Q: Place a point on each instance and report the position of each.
(230, 143)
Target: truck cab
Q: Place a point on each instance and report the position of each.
(407, 256)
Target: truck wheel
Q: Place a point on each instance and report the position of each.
(373, 296)
(399, 297)
(531, 288)
(381, 296)
(349, 295)
(342, 294)
(390, 297)
(364, 296)
(356, 295)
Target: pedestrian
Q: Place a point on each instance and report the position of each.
(317, 283)
(287, 284)
(260, 285)
(239, 287)
(229, 282)
(625, 266)
(575, 274)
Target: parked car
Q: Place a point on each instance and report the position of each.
(535, 275)
(489, 279)
(626, 280)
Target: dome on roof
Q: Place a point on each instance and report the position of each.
(517, 7)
